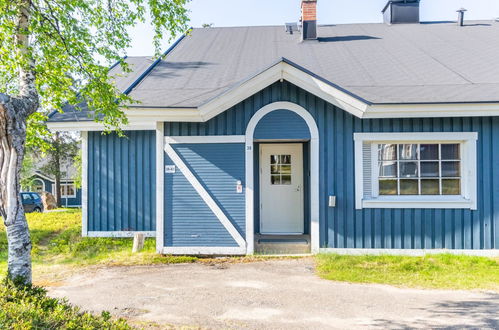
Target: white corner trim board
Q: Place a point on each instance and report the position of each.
(160, 191)
(204, 250)
(84, 183)
(120, 234)
(314, 170)
(205, 196)
(468, 197)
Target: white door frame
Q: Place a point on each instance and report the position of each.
(314, 171)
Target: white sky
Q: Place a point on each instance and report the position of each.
(277, 12)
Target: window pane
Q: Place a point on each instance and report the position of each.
(286, 169)
(388, 169)
(286, 179)
(388, 187)
(409, 187)
(450, 169)
(70, 190)
(274, 169)
(274, 159)
(429, 169)
(387, 152)
(450, 151)
(429, 151)
(26, 197)
(275, 179)
(451, 187)
(408, 169)
(430, 187)
(285, 159)
(408, 151)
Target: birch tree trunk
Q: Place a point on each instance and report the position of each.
(14, 111)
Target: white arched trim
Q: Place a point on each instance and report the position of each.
(314, 171)
(39, 180)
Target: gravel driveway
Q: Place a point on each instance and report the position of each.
(277, 294)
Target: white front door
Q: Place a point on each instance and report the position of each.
(281, 188)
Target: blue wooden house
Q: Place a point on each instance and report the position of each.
(70, 194)
(351, 138)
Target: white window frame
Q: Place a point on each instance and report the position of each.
(66, 184)
(468, 197)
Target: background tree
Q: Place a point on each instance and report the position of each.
(58, 51)
(63, 148)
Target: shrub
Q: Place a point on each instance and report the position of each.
(29, 307)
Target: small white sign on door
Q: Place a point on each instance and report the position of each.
(170, 169)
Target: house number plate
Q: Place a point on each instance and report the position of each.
(170, 169)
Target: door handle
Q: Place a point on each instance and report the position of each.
(298, 188)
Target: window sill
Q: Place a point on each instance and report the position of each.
(419, 202)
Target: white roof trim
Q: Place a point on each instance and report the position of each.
(146, 118)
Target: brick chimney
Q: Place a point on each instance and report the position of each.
(309, 19)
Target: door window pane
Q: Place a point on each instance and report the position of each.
(286, 179)
(409, 187)
(388, 187)
(275, 179)
(280, 169)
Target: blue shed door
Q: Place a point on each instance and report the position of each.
(203, 206)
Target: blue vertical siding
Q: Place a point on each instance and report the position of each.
(188, 220)
(122, 181)
(282, 125)
(346, 227)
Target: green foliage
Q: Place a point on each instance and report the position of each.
(28, 307)
(77, 163)
(443, 271)
(27, 171)
(72, 44)
(57, 240)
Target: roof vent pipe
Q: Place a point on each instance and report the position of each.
(309, 19)
(460, 18)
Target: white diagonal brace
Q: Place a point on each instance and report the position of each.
(205, 195)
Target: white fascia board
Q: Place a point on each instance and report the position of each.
(325, 91)
(91, 126)
(242, 92)
(432, 110)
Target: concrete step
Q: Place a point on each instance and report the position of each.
(282, 244)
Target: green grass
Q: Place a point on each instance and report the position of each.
(57, 241)
(30, 308)
(441, 271)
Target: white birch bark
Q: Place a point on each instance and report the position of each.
(14, 111)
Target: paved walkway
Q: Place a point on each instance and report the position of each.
(279, 294)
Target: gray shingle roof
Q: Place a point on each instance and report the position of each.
(382, 64)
